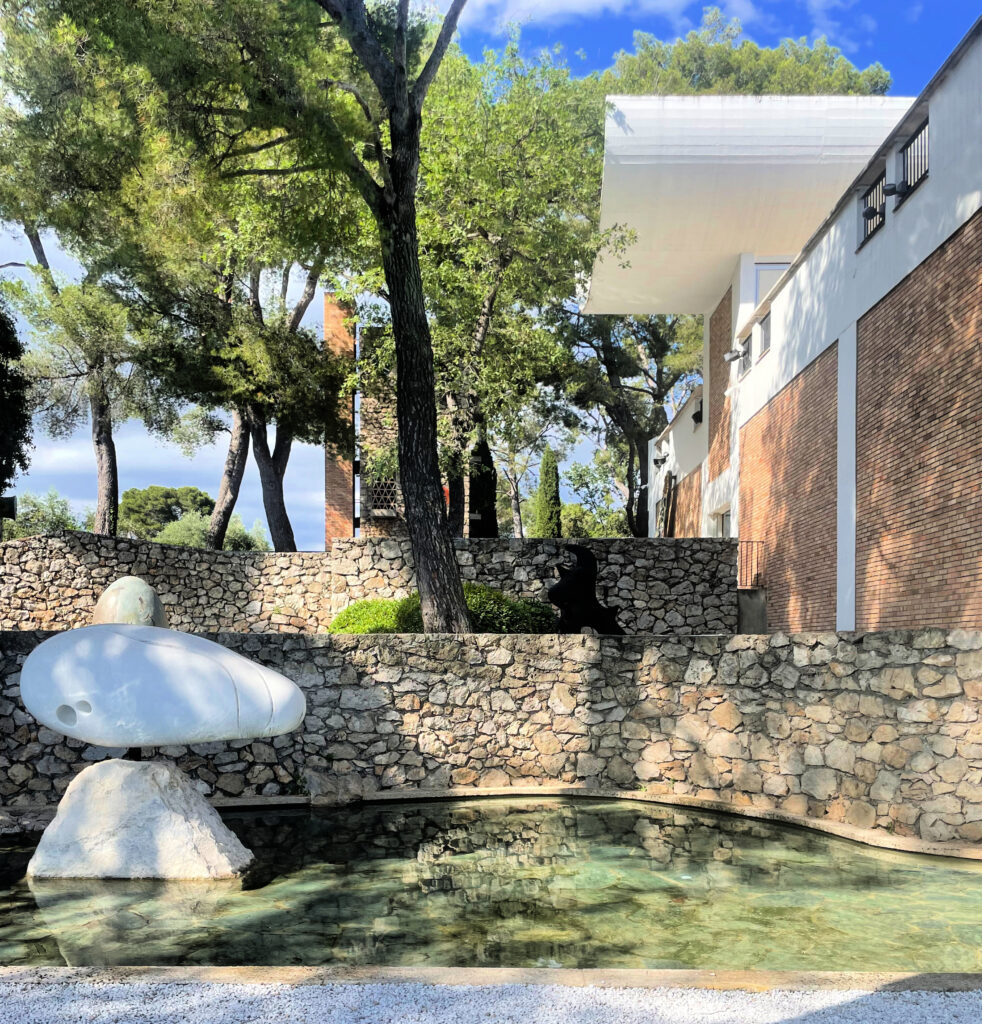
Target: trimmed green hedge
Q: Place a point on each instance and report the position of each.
(491, 612)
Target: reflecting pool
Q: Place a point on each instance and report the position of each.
(516, 883)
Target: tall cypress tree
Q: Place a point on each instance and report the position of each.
(547, 520)
(15, 413)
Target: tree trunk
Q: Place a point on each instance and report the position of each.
(437, 573)
(516, 508)
(228, 491)
(107, 473)
(456, 510)
(484, 489)
(272, 468)
(641, 516)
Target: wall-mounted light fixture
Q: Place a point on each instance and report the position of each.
(735, 353)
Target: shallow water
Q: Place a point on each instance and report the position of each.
(516, 883)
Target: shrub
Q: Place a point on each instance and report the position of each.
(491, 612)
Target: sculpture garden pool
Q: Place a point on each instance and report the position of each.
(516, 883)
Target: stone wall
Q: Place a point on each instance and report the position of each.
(881, 731)
(53, 582)
(657, 586)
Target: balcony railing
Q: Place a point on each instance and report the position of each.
(750, 565)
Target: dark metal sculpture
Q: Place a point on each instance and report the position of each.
(575, 595)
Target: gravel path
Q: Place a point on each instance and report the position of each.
(138, 1003)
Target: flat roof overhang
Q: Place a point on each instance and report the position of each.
(701, 179)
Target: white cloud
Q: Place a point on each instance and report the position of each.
(827, 20)
(496, 15)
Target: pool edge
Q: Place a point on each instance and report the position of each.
(840, 829)
(867, 837)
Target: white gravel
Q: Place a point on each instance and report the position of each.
(145, 1003)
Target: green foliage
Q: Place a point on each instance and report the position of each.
(15, 413)
(547, 506)
(600, 487)
(491, 612)
(83, 351)
(191, 531)
(401, 615)
(144, 512)
(580, 521)
(37, 515)
(715, 59)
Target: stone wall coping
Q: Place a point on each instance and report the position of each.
(614, 978)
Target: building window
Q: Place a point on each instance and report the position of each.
(747, 358)
(765, 335)
(767, 275)
(913, 163)
(723, 524)
(873, 207)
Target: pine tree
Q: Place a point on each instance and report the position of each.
(547, 512)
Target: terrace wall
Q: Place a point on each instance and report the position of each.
(881, 731)
(657, 585)
(53, 582)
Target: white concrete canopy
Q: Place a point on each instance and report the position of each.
(701, 179)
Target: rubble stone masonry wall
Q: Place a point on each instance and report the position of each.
(880, 730)
(656, 585)
(53, 582)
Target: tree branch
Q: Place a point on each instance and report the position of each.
(39, 254)
(258, 147)
(426, 76)
(309, 289)
(350, 16)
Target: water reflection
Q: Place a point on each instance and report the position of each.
(517, 883)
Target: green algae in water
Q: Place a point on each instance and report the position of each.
(516, 883)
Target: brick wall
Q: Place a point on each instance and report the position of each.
(919, 444)
(788, 496)
(688, 508)
(720, 340)
(338, 468)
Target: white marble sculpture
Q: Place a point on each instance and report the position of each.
(127, 685)
(136, 819)
(140, 686)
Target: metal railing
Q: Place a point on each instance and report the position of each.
(750, 565)
(874, 207)
(913, 158)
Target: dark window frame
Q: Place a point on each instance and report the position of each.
(765, 337)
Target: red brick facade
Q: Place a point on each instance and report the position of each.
(788, 496)
(919, 445)
(720, 340)
(688, 505)
(338, 470)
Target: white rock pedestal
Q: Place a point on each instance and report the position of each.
(136, 819)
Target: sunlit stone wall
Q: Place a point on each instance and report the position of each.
(657, 585)
(53, 582)
(878, 730)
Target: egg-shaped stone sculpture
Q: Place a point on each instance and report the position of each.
(140, 686)
(131, 600)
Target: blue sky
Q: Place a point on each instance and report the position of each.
(911, 39)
